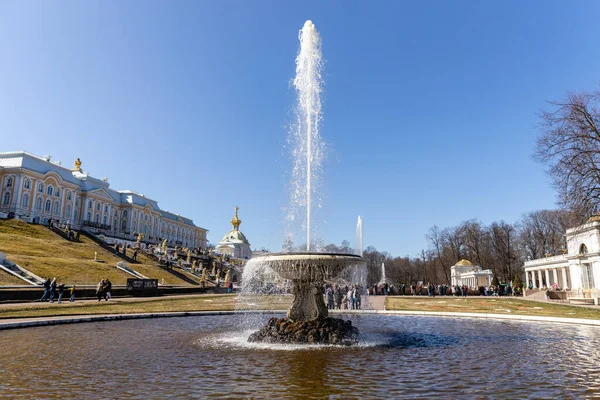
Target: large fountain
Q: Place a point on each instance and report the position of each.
(308, 319)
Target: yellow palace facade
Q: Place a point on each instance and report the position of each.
(35, 189)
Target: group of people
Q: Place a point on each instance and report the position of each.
(103, 289)
(72, 235)
(347, 297)
(52, 287)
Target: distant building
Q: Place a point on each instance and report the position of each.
(35, 189)
(234, 243)
(578, 270)
(260, 253)
(473, 276)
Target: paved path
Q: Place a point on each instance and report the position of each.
(377, 302)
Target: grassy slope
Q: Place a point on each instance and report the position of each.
(7, 279)
(141, 305)
(490, 305)
(46, 254)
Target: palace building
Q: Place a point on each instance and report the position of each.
(35, 189)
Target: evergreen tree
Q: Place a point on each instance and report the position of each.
(517, 282)
(495, 281)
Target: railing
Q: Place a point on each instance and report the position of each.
(96, 225)
(545, 260)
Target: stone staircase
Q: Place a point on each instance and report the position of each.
(62, 233)
(109, 248)
(19, 271)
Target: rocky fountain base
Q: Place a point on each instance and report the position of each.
(308, 320)
(322, 331)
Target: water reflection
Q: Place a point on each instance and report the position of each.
(204, 357)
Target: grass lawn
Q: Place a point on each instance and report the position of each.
(225, 302)
(490, 305)
(48, 255)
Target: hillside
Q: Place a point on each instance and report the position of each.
(46, 254)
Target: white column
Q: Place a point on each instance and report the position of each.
(63, 195)
(555, 276)
(539, 275)
(17, 190)
(527, 279)
(546, 272)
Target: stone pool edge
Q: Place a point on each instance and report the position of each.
(60, 320)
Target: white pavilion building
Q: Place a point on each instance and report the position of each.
(473, 276)
(578, 270)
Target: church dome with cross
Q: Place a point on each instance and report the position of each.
(235, 243)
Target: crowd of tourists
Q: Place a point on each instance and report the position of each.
(53, 288)
(346, 297)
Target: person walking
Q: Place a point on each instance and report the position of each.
(52, 289)
(46, 289)
(61, 289)
(72, 293)
(107, 289)
(100, 289)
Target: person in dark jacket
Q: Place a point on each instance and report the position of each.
(61, 290)
(52, 289)
(46, 289)
(107, 289)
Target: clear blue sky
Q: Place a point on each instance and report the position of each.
(429, 109)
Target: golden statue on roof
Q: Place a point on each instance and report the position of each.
(235, 222)
(77, 165)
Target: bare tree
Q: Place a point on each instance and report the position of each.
(504, 241)
(570, 146)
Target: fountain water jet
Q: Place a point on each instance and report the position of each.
(359, 236)
(308, 319)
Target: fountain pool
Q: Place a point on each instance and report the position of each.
(208, 356)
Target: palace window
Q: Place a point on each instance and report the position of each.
(41, 187)
(38, 204)
(97, 206)
(123, 225)
(56, 207)
(90, 204)
(124, 213)
(68, 210)
(97, 218)
(9, 181)
(27, 184)
(89, 216)
(6, 199)
(587, 276)
(69, 195)
(104, 220)
(583, 249)
(48, 205)
(25, 200)
(57, 193)
(50, 190)
(105, 208)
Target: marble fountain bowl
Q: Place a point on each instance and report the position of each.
(309, 266)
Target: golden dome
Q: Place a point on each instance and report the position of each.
(464, 263)
(235, 222)
(595, 217)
